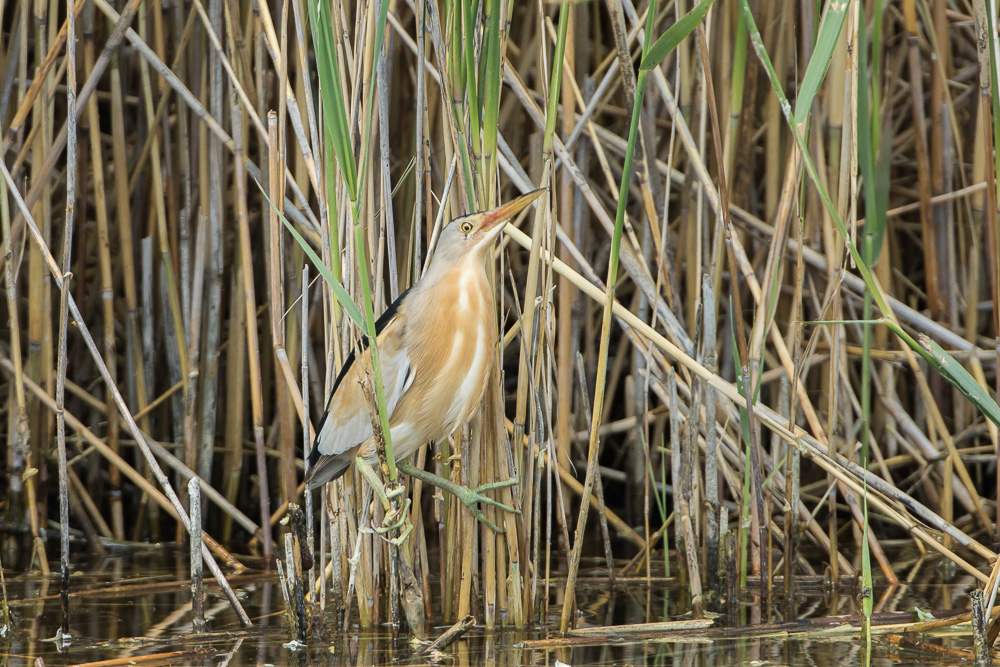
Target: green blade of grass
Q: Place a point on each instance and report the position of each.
(383, 15)
(674, 35)
(954, 372)
(874, 171)
(469, 10)
(339, 291)
(331, 92)
(491, 81)
(819, 62)
(556, 80)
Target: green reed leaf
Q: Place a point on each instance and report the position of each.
(819, 62)
(674, 35)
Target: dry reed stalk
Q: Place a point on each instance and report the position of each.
(71, 183)
(107, 278)
(236, 362)
(253, 345)
(39, 364)
(276, 302)
(759, 534)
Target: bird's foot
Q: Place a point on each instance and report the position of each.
(396, 519)
(472, 497)
(468, 497)
(397, 513)
(396, 491)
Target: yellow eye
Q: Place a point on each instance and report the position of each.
(466, 227)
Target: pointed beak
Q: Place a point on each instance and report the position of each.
(491, 222)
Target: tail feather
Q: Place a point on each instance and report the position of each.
(325, 468)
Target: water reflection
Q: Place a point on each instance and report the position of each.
(139, 612)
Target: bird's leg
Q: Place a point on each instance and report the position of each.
(398, 518)
(373, 481)
(469, 497)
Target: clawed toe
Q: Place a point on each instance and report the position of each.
(472, 497)
(393, 520)
(482, 517)
(497, 485)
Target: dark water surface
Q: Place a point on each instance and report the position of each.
(130, 611)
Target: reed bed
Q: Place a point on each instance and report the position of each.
(749, 334)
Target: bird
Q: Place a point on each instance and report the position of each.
(435, 344)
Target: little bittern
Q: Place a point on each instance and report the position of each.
(436, 345)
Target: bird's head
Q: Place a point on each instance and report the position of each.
(476, 232)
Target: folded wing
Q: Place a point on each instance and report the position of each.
(347, 420)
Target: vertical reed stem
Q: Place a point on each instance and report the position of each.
(306, 434)
(71, 168)
(194, 535)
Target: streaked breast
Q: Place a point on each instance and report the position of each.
(458, 353)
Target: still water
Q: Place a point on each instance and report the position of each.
(137, 612)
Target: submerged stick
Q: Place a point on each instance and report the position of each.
(657, 628)
(927, 647)
(450, 635)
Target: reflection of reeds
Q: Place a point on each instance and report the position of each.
(861, 393)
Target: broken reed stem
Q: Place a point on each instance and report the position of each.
(286, 578)
(450, 636)
(712, 501)
(293, 575)
(194, 537)
(980, 646)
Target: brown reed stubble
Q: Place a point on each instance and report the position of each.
(178, 163)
